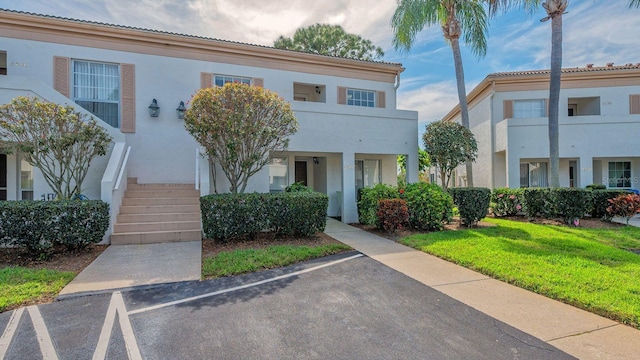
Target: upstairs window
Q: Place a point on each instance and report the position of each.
(3, 63)
(529, 108)
(220, 80)
(366, 98)
(96, 87)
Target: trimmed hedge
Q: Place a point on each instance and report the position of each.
(39, 225)
(472, 203)
(506, 201)
(368, 203)
(600, 203)
(596, 187)
(228, 216)
(429, 206)
(571, 203)
(393, 214)
(538, 202)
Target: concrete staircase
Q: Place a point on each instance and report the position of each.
(157, 213)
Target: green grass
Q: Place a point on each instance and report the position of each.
(20, 286)
(587, 268)
(242, 261)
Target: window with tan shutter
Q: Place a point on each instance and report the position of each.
(61, 75)
(128, 101)
(206, 80)
(381, 99)
(96, 87)
(357, 97)
(220, 80)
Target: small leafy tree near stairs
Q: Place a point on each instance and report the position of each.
(56, 139)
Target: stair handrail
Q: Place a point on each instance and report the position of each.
(123, 168)
(197, 169)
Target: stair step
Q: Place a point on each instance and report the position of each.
(135, 186)
(152, 237)
(158, 209)
(130, 201)
(156, 226)
(161, 193)
(158, 217)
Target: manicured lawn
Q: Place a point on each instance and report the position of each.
(20, 286)
(242, 261)
(587, 268)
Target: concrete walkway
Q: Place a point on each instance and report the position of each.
(124, 266)
(634, 221)
(577, 332)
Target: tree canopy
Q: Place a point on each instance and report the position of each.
(449, 145)
(56, 139)
(239, 126)
(332, 40)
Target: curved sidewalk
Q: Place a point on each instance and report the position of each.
(577, 332)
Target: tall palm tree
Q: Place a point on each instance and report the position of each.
(466, 18)
(635, 3)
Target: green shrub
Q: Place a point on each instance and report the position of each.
(298, 187)
(596, 187)
(297, 213)
(472, 203)
(600, 203)
(39, 225)
(429, 206)
(538, 203)
(571, 203)
(393, 214)
(228, 216)
(506, 201)
(368, 201)
(625, 206)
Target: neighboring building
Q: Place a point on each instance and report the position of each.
(599, 124)
(349, 135)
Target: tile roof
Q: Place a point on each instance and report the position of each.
(183, 35)
(588, 68)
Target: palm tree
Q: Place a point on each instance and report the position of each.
(466, 18)
(635, 3)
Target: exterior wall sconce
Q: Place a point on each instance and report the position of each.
(181, 110)
(318, 91)
(316, 161)
(154, 109)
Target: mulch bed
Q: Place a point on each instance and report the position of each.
(57, 259)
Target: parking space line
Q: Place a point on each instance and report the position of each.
(42, 334)
(241, 287)
(7, 335)
(117, 306)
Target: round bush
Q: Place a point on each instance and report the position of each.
(429, 206)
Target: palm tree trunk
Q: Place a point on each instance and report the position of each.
(554, 99)
(462, 98)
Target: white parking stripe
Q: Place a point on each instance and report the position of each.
(219, 292)
(7, 335)
(117, 306)
(42, 334)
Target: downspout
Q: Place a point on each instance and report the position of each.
(397, 84)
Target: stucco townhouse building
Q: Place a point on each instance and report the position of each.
(599, 128)
(350, 130)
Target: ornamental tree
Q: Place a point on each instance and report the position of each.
(239, 126)
(56, 139)
(449, 145)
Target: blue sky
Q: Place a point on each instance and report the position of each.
(595, 31)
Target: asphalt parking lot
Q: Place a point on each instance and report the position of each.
(346, 306)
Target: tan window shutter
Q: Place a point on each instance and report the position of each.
(342, 95)
(259, 82)
(206, 80)
(507, 109)
(546, 108)
(381, 101)
(61, 75)
(634, 103)
(128, 100)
